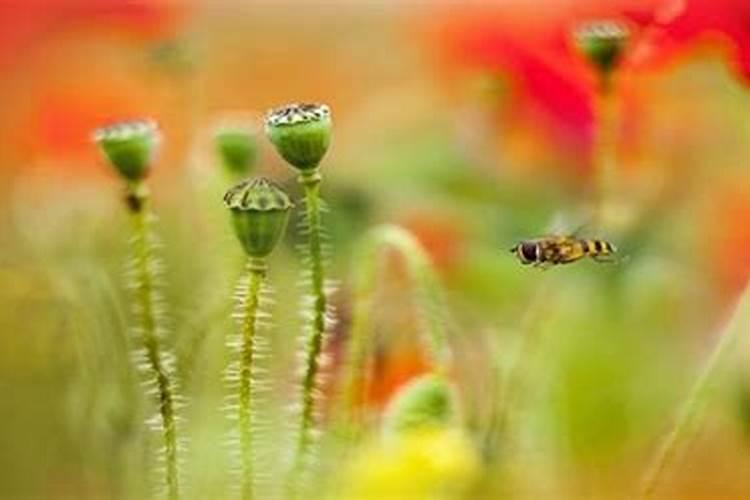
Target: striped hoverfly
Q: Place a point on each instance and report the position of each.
(560, 249)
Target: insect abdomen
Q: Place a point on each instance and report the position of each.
(595, 248)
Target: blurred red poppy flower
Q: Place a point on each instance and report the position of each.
(391, 371)
(717, 23)
(63, 81)
(552, 87)
(728, 241)
(24, 23)
(394, 363)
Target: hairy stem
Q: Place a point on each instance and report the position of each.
(690, 417)
(314, 342)
(420, 269)
(145, 296)
(256, 272)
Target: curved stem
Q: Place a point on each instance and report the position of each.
(690, 417)
(256, 272)
(420, 268)
(314, 342)
(145, 271)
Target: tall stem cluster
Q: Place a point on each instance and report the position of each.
(315, 336)
(301, 133)
(154, 359)
(259, 213)
(129, 147)
(255, 274)
(248, 383)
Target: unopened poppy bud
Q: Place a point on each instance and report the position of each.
(602, 43)
(129, 146)
(301, 133)
(237, 149)
(260, 213)
(427, 401)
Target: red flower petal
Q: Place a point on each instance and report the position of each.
(555, 87)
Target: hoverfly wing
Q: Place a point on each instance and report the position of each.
(567, 224)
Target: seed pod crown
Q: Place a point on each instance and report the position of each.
(300, 132)
(260, 213)
(129, 146)
(602, 43)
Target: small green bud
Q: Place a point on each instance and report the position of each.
(129, 147)
(237, 149)
(260, 213)
(602, 43)
(427, 401)
(301, 133)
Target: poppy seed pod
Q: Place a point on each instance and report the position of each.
(237, 149)
(129, 146)
(602, 43)
(427, 401)
(260, 213)
(301, 133)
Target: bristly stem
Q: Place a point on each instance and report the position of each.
(314, 343)
(150, 329)
(256, 272)
(690, 417)
(428, 297)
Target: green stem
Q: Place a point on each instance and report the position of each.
(690, 417)
(605, 158)
(355, 367)
(314, 344)
(149, 323)
(512, 382)
(256, 272)
(420, 268)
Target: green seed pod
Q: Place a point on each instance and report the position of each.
(602, 43)
(129, 147)
(428, 401)
(260, 213)
(237, 148)
(301, 133)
